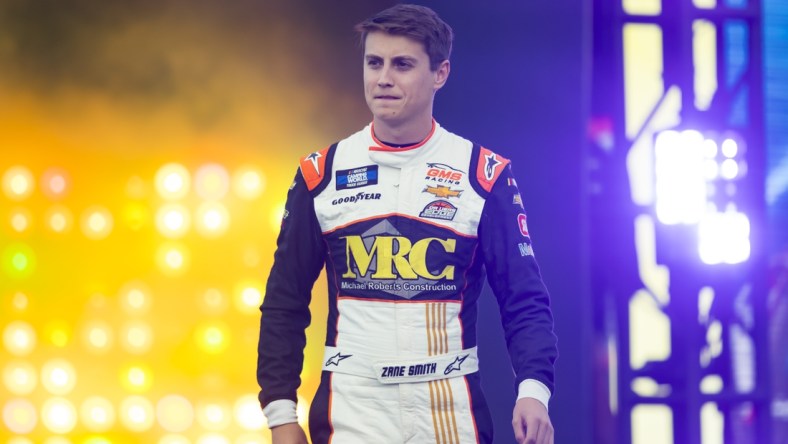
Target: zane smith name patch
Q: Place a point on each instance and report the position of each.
(357, 177)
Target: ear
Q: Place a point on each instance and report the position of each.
(442, 74)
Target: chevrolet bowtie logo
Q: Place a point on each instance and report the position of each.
(455, 365)
(334, 360)
(442, 191)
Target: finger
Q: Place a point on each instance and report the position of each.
(519, 434)
(531, 431)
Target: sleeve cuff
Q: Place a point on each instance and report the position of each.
(531, 388)
(281, 411)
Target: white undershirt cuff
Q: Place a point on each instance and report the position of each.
(531, 388)
(281, 411)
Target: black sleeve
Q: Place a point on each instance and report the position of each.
(299, 257)
(515, 279)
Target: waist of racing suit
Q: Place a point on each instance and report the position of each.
(398, 370)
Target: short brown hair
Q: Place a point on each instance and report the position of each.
(419, 23)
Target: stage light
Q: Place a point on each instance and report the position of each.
(18, 183)
(58, 377)
(97, 414)
(248, 297)
(59, 219)
(137, 337)
(20, 301)
(172, 220)
(135, 298)
(172, 181)
(96, 223)
(213, 301)
(175, 413)
(680, 185)
(19, 338)
(57, 440)
(59, 415)
(136, 413)
(20, 220)
(724, 237)
(729, 169)
(97, 336)
(729, 148)
(19, 416)
(172, 259)
(19, 260)
(213, 416)
(19, 440)
(248, 413)
(19, 377)
(211, 181)
(711, 384)
(212, 219)
(213, 338)
(55, 183)
(174, 439)
(137, 378)
(248, 183)
(212, 438)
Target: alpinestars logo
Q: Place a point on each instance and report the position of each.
(334, 360)
(313, 158)
(491, 162)
(455, 366)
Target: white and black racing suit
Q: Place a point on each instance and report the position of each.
(406, 235)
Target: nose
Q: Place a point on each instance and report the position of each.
(384, 76)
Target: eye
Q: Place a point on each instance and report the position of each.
(404, 65)
(373, 63)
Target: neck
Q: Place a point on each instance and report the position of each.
(402, 133)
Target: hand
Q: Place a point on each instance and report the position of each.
(290, 433)
(531, 422)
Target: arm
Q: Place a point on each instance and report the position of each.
(524, 303)
(285, 310)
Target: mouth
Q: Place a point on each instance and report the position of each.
(386, 97)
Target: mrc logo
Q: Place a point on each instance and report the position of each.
(395, 257)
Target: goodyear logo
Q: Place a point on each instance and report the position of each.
(408, 261)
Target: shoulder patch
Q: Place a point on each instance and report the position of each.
(313, 168)
(489, 167)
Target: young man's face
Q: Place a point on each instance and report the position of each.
(398, 83)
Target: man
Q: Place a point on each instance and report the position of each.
(406, 217)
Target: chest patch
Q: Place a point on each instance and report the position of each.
(357, 177)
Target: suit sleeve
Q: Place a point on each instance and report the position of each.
(515, 279)
(299, 257)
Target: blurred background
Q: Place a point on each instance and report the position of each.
(146, 149)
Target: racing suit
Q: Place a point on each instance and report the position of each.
(406, 235)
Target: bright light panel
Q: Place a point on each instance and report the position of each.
(172, 181)
(19, 338)
(59, 415)
(724, 237)
(680, 182)
(97, 413)
(18, 183)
